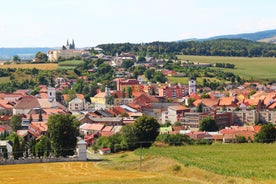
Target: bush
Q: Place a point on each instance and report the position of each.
(241, 139)
(176, 168)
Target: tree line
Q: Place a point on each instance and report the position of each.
(219, 47)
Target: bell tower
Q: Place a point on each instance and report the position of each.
(192, 85)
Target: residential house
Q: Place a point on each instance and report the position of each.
(192, 119)
(37, 129)
(25, 105)
(6, 106)
(174, 113)
(124, 84)
(77, 104)
(200, 135)
(5, 146)
(176, 91)
(88, 128)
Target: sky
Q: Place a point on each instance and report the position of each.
(49, 23)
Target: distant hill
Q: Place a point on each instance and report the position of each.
(23, 53)
(268, 36)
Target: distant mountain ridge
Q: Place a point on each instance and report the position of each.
(268, 36)
(24, 53)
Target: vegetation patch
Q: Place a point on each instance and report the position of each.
(235, 160)
(249, 68)
(41, 66)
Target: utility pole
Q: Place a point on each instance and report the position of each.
(140, 156)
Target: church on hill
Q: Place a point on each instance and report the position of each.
(67, 51)
(69, 45)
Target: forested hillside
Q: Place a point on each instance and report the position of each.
(220, 47)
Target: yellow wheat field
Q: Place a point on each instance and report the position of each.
(65, 172)
(40, 66)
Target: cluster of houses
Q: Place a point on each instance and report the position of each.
(236, 112)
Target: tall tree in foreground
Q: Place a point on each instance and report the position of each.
(267, 134)
(147, 129)
(16, 122)
(63, 132)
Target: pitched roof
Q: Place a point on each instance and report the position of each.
(27, 102)
(6, 104)
(94, 126)
(107, 129)
(37, 128)
(179, 108)
(207, 102)
(100, 95)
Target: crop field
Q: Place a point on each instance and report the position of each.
(68, 172)
(217, 163)
(40, 66)
(256, 68)
(70, 63)
(251, 161)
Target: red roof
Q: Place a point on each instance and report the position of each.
(27, 102)
(2, 129)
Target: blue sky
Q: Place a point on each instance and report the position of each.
(90, 22)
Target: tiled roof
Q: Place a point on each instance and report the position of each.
(207, 102)
(100, 95)
(107, 129)
(5, 104)
(27, 102)
(94, 126)
(179, 108)
(37, 128)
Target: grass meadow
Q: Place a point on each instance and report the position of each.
(255, 68)
(252, 161)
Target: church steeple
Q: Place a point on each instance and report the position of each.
(67, 45)
(73, 44)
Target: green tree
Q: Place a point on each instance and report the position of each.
(159, 77)
(32, 144)
(127, 64)
(16, 122)
(130, 139)
(267, 134)
(63, 132)
(147, 129)
(43, 147)
(42, 57)
(208, 124)
(16, 58)
(40, 115)
(199, 108)
(129, 92)
(16, 151)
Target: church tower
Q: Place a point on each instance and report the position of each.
(192, 85)
(67, 45)
(51, 94)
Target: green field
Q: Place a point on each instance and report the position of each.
(253, 161)
(250, 68)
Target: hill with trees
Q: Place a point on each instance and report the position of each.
(219, 47)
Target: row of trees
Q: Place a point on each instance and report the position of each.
(141, 134)
(61, 139)
(220, 47)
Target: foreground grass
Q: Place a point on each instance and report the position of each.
(214, 164)
(254, 161)
(69, 172)
(250, 68)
